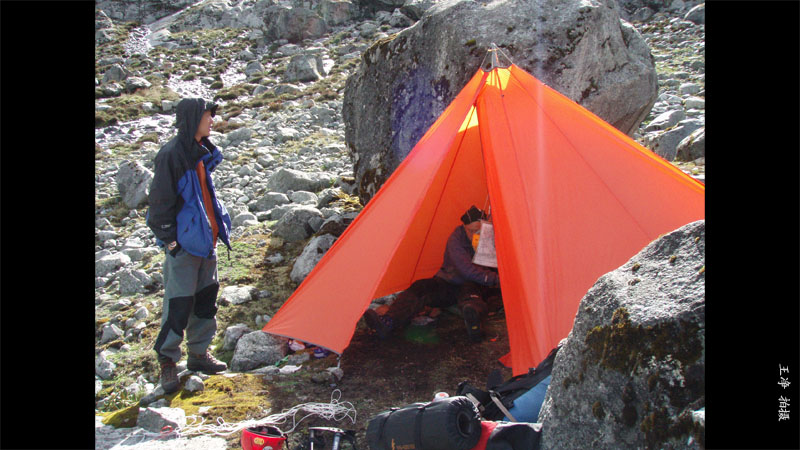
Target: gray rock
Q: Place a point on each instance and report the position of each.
(115, 73)
(337, 223)
(689, 88)
(155, 419)
(287, 89)
(133, 282)
(400, 20)
(111, 89)
(285, 180)
(133, 183)
(232, 335)
(194, 384)
(111, 333)
(693, 146)
(642, 14)
(279, 211)
(257, 349)
(101, 20)
(665, 120)
(695, 103)
(104, 368)
(634, 363)
(294, 225)
(269, 201)
(293, 24)
(406, 81)
(414, 9)
(138, 254)
(132, 84)
(253, 67)
(337, 12)
(666, 143)
(141, 313)
(141, 12)
(238, 136)
(241, 218)
(245, 55)
(238, 294)
(310, 256)
(109, 264)
(284, 134)
(105, 235)
(132, 242)
(328, 195)
(304, 198)
(122, 303)
(697, 14)
(305, 68)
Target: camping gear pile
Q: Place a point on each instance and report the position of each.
(473, 419)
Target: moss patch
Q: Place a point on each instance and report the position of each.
(622, 346)
(234, 399)
(123, 418)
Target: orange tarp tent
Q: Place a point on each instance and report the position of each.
(572, 199)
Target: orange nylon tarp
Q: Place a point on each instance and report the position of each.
(572, 198)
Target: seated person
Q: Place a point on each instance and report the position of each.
(459, 281)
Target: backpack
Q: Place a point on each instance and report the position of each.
(498, 399)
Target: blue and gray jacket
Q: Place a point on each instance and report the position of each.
(176, 200)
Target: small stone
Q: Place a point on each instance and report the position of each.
(194, 384)
(111, 332)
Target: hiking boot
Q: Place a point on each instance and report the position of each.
(205, 363)
(169, 376)
(473, 323)
(381, 324)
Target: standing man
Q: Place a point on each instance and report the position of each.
(187, 219)
(459, 281)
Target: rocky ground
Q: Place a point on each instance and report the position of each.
(279, 125)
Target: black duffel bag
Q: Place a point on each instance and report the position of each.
(449, 424)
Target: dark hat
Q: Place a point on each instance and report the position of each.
(473, 214)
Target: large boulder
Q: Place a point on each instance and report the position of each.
(337, 12)
(404, 82)
(257, 349)
(133, 182)
(293, 24)
(142, 12)
(632, 370)
(305, 68)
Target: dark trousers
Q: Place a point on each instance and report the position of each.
(438, 293)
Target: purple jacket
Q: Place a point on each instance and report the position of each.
(458, 268)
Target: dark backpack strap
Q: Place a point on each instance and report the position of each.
(382, 426)
(418, 427)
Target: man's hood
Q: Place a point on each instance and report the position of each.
(188, 115)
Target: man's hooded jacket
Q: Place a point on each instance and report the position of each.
(176, 209)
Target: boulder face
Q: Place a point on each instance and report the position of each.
(580, 48)
(143, 12)
(632, 370)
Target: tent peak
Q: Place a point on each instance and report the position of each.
(493, 55)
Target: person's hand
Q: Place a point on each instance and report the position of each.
(173, 248)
